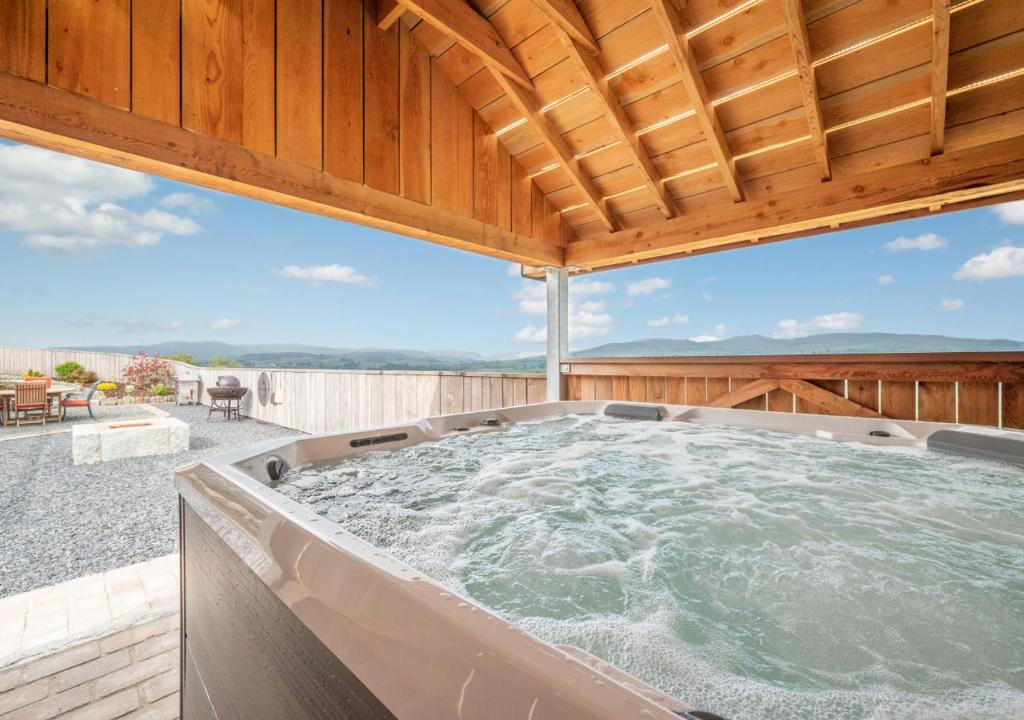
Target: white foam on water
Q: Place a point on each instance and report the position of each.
(751, 573)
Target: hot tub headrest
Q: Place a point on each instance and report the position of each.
(1002, 447)
(633, 412)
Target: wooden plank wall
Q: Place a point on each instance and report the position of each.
(974, 388)
(321, 401)
(314, 82)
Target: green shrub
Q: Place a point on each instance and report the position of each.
(183, 357)
(79, 376)
(219, 361)
(66, 370)
(31, 373)
(161, 390)
(86, 377)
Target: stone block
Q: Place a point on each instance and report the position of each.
(102, 442)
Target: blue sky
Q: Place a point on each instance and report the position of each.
(91, 254)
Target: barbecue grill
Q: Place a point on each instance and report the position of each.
(226, 397)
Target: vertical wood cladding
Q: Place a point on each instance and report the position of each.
(314, 82)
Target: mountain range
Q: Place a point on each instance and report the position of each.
(278, 355)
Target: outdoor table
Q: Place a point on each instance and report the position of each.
(54, 392)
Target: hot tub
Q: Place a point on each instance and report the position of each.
(286, 614)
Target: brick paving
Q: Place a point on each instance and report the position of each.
(96, 648)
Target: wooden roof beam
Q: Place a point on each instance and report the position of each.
(388, 13)
(796, 26)
(594, 77)
(939, 73)
(38, 114)
(689, 70)
(459, 21)
(527, 104)
(564, 15)
(955, 178)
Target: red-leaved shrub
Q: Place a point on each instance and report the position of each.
(146, 371)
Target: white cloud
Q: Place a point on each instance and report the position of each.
(587, 318)
(834, 322)
(533, 298)
(590, 287)
(1011, 213)
(717, 333)
(677, 319)
(188, 201)
(591, 306)
(69, 204)
(1003, 262)
(514, 270)
(166, 222)
(886, 279)
(583, 325)
(586, 321)
(225, 324)
(319, 274)
(531, 334)
(706, 296)
(928, 241)
(951, 304)
(646, 287)
(35, 174)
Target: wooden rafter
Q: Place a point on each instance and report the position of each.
(939, 73)
(566, 17)
(594, 77)
(672, 29)
(954, 178)
(527, 104)
(796, 26)
(388, 13)
(459, 21)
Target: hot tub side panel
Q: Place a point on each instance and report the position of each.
(244, 653)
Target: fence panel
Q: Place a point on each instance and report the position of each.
(321, 401)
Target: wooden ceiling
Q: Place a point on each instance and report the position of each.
(586, 134)
(667, 127)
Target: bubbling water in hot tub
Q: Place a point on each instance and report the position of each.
(753, 573)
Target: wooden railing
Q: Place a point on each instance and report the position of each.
(975, 388)
(320, 401)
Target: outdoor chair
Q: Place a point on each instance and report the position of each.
(77, 400)
(30, 398)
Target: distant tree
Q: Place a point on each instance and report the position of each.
(220, 361)
(184, 357)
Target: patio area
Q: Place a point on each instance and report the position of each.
(62, 521)
(89, 623)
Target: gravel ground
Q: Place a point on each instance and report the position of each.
(59, 521)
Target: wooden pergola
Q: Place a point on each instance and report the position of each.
(553, 133)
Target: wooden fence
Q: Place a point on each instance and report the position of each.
(975, 388)
(319, 401)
